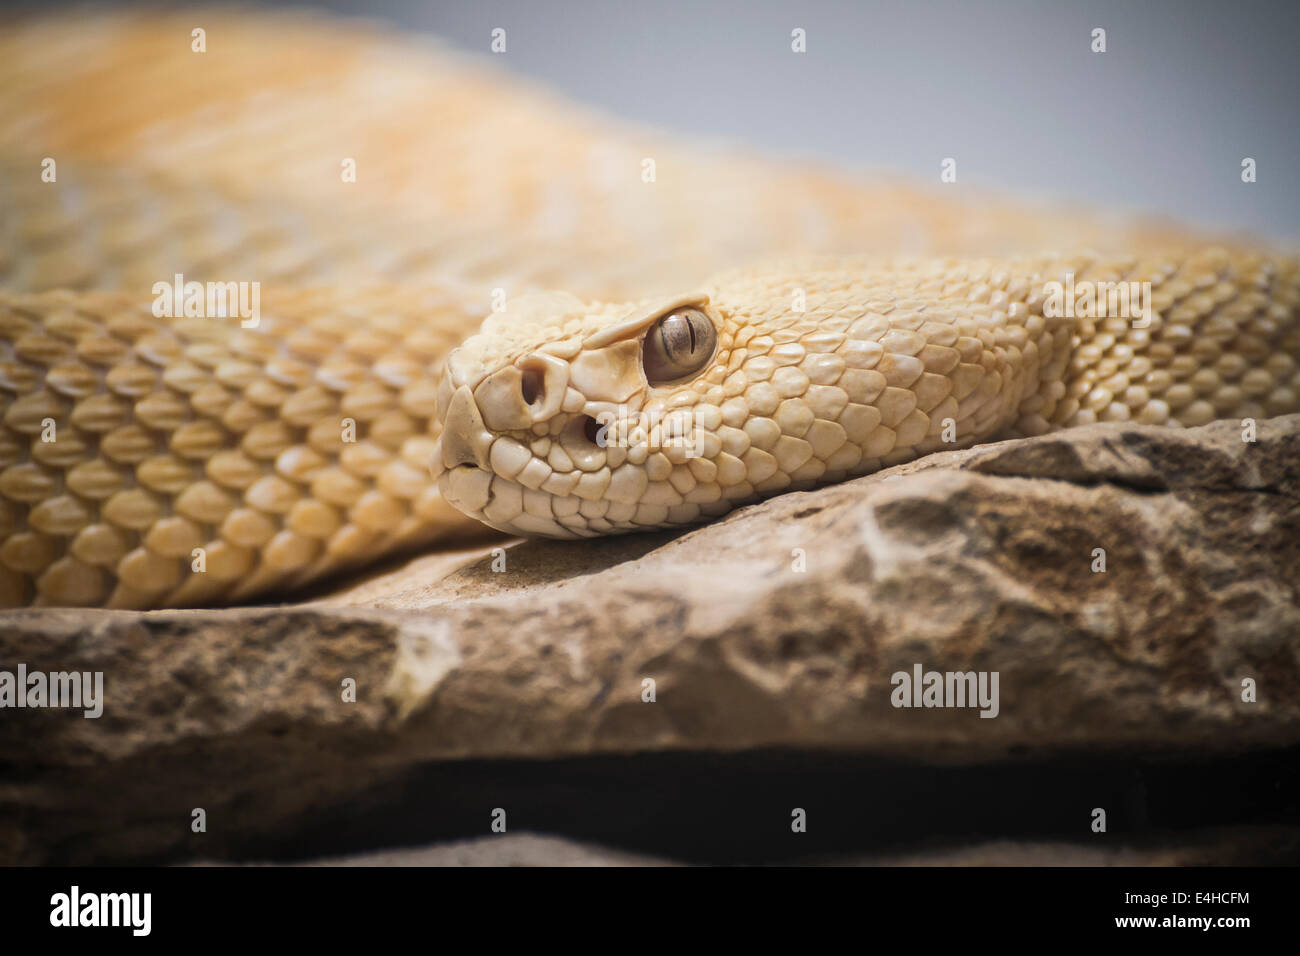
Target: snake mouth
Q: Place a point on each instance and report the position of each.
(509, 506)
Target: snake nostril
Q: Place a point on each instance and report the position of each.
(591, 430)
(533, 385)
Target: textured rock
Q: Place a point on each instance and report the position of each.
(972, 560)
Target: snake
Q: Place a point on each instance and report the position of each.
(481, 307)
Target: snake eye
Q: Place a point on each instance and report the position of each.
(679, 344)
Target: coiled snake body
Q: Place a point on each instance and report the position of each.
(152, 460)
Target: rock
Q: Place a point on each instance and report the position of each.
(979, 560)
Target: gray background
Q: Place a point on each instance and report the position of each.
(1160, 122)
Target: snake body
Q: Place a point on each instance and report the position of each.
(151, 460)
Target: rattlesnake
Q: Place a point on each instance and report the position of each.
(150, 461)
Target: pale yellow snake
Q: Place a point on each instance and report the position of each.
(386, 196)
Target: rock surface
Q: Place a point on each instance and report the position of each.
(980, 560)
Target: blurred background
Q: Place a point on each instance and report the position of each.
(1159, 123)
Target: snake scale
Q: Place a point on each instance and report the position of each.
(152, 460)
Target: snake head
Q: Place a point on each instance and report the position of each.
(567, 419)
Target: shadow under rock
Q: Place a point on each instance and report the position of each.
(736, 808)
(535, 561)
